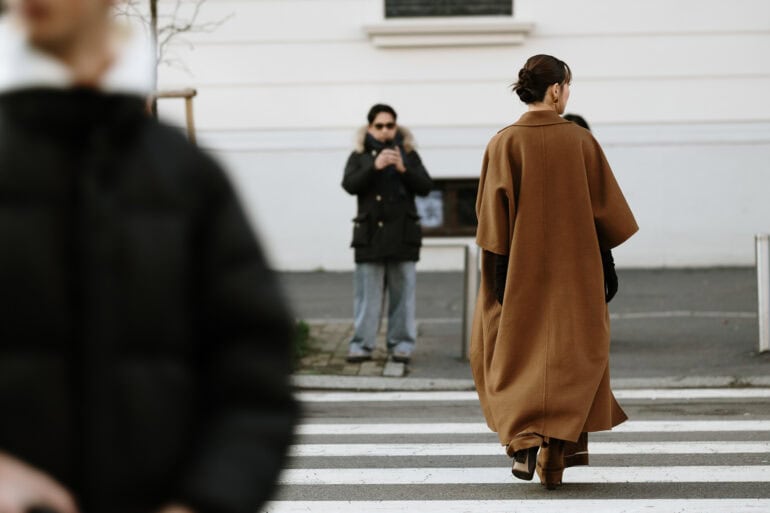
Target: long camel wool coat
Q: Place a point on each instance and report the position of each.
(547, 198)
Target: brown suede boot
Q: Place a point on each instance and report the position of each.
(550, 463)
(576, 453)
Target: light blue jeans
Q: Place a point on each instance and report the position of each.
(371, 281)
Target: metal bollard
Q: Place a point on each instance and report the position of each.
(470, 289)
(763, 290)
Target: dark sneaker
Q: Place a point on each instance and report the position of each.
(358, 355)
(401, 356)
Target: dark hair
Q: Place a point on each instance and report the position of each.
(578, 120)
(380, 107)
(540, 72)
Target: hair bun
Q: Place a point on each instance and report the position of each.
(526, 94)
(539, 72)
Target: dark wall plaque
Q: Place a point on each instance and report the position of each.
(412, 8)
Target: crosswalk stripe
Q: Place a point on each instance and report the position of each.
(439, 428)
(648, 426)
(493, 475)
(528, 506)
(486, 449)
(694, 393)
(673, 393)
(668, 426)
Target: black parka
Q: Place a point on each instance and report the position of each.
(387, 226)
(144, 345)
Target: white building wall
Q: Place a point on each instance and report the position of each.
(676, 92)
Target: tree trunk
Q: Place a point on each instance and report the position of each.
(154, 32)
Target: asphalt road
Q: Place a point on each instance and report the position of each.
(665, 323)
(319, 295)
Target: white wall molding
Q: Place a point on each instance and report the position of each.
(305, 140)
(436, 32)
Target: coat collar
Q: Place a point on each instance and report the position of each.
(406, 134)
(540, 118)
(24, 67)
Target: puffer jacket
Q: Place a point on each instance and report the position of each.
(387, 226)
(144, 344)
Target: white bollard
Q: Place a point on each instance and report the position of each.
(763, 290)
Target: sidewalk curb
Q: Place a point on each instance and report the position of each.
(380, 384)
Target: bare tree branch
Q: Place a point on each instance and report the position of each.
(168, 25)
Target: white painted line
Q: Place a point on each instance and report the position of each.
(678, 314)
(462, 428)
(695, 393)
(445, 428)
(655, 448)
(525, 506)
(691, 426)
(475, 449)
(346, 397)
(493, 475)
(651, 394)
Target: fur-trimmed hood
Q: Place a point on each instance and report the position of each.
(22, 66)
(409, 143)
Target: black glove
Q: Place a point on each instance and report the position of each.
(610, 277)
(501, 273)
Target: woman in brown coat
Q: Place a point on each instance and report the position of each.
(549, 211)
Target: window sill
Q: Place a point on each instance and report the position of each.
(432, 32)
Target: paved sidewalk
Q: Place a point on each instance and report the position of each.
(673, 327)
(437, 355)
(329, 346)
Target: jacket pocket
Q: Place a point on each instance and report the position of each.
(412, 230)
(361, 232)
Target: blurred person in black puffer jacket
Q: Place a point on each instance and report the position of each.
(144, 344)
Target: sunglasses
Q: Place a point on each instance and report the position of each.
(380, 126)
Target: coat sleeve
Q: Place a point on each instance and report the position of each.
(495, 205)
(613, 218)
(359, 173)
(243, 359)
(416, 177)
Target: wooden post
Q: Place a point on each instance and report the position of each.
(187, 95)
(188, 101)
